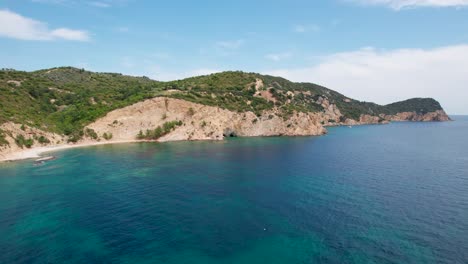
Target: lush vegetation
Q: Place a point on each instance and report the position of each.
(64, 100)
(159, 131)
(42, 139)
(21, 141)
(229, 90)
(3, 141)
(91, 133)
(236, 91)
(420, 105)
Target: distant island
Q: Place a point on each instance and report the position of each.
(62, 107)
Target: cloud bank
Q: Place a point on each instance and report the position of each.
(401, 4)
(306, 28)
(386, 76)
(13, 25)
(279, 56)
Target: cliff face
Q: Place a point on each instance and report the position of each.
(14, 131)
(202, 122)
(438, 115)
(68, 105)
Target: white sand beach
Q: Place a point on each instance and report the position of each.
(36, 152)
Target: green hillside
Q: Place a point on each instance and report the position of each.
(64, 100)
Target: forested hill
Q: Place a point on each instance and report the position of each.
(64, 100)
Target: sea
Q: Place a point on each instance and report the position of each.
(394, 193)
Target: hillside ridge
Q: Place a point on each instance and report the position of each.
(67, 105)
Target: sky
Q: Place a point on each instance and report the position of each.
(372, 50)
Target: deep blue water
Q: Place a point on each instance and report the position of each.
(373, 194)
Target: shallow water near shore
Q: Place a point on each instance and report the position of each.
(393, 193)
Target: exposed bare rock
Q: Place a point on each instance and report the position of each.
(205, 123)
(439, 115)
(13, 130)
(201, 122)
(60, 90)
(264, 93)
(368, 119)
(16, 83)
(267, 95)
(331, 114)
(258, 84)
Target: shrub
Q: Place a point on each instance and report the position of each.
(73, 138)
(140, 135)
(159, 131)
(89, 132)
(190, 111)
(29, 142)
(21, 141)
(43, 140)
(107, 136)
(3, 141)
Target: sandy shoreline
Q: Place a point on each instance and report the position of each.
(37, 151)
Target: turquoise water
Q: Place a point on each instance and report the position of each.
(373, 194)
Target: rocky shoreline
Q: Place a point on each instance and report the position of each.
(199, 122)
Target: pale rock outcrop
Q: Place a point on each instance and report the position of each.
(16, 83)
(201, 122)
(13, 130)
(368, 119)
(331, 115)
(439, 115)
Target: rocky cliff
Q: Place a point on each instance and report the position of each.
(201, 122)
(69, 106)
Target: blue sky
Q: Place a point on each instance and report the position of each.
(375, 50)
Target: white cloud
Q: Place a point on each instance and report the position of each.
(82, 65)
(156, 72)
(388, 76)
(231, 45)
(96, 3)
(279, 56)
(306, 28)
(162, 75)
(201, 71)
(127, 62)
(123, 29)
(401, 4)
(13, 25)
(55, 2)
(161, 55)
(69, 34)
(99, 4)
(226, 48)
(135, 66)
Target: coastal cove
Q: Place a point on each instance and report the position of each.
(39, 151)
(393, 193)
(53, 108)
